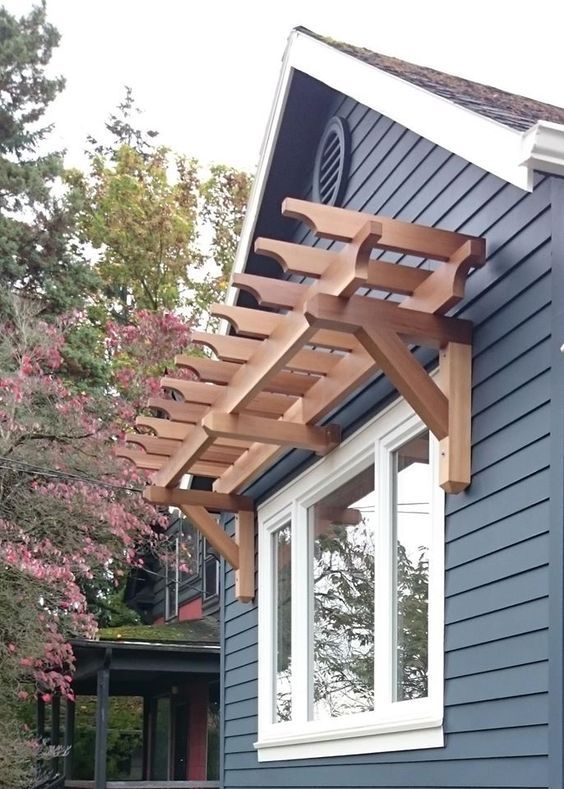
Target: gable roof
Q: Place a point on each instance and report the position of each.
(509, 109)
(506, 135)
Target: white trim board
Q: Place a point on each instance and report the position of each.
(510, 154)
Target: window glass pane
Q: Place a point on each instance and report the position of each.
(342, 531)
(211, 572)
(412, 505)
(160, 740)
(283, 591)
(188, 552)
(171, 577)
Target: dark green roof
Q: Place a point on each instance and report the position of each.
(195, 631)
(517, 112)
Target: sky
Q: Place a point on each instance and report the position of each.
(205, 71)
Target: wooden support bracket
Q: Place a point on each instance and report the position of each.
(455, 379)
(196, 506)
(445, 409)
(245, 539)
(212, 531)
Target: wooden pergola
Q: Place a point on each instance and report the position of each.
(281, 373)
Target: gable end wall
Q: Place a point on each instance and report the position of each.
(497, 533)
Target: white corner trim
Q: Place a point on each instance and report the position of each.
(543, 148)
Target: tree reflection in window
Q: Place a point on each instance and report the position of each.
(342, 529)
(412, 488)
(283, 592)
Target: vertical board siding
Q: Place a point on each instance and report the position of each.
(497, 532)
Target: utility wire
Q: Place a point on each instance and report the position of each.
(28, 468)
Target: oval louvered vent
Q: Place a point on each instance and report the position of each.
(331, 169)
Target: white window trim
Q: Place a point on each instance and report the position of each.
(404, 725)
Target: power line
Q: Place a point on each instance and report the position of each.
(29, 468)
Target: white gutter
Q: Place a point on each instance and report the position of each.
(543, 148)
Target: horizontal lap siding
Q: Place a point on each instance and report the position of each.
(496, 608)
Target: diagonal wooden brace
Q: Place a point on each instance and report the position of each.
(446, 411)
(238, 552)
(408, 376)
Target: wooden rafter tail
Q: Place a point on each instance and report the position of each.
(266, 431)
(445, 287)
(226, 347)
(246, 322)
(187, 413)
(193, 391)
(142, 460)
(343, 224)
(213, 502)
(295, 258)
(156, 446)
(455, 378)
(269, 292)
(260, 324)
(164, 428)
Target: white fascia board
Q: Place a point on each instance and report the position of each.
(263, 169)
(543, 148)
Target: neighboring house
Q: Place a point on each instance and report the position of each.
(399, 637)
(171, 663)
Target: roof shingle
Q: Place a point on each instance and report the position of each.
(516, 112)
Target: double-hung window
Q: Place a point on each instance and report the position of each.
(351, 599)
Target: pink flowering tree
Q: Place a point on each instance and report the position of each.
(71, 514)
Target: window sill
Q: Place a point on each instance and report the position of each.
(379, 738)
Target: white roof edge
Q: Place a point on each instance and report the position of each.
(265, 159)
(507, 153)
(543, 148)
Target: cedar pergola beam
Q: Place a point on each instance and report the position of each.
(342, 224)
(267, 431)
(213, 502)
(420, 328)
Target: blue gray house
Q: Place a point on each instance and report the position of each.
(385, 416)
